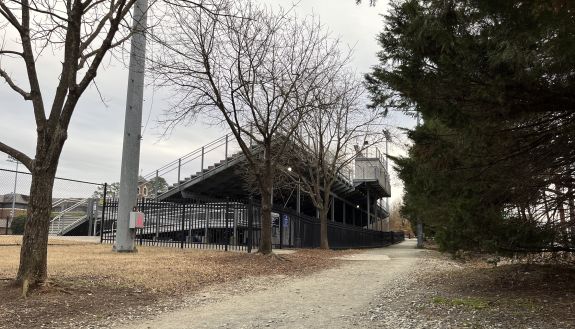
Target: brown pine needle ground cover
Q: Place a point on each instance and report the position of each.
(515, 294)
(89, 280)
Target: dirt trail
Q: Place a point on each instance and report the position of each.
(322, 300)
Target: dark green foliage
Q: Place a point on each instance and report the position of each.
(112, 191)
(492, 166)
(17, 225)
(158, 184)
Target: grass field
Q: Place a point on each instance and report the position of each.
(159, 269)
(90, 278)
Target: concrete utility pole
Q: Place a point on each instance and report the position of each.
(132, 131)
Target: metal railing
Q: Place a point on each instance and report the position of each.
(365, 170)
(223, 150)
(373, 152)
(345, 173)
(197, 163)
(68, 217)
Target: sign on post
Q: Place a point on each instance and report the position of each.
(136, 219)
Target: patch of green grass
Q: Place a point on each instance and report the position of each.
(474, 303)
(522, 303)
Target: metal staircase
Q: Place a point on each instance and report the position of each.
(69, 218)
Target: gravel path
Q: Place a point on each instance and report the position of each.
(335, 298)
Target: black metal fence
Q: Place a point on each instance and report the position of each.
(294, 230)
(190, 223)
(234, 225)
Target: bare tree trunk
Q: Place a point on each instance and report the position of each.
(86, 32)
(561, 209)
(324, 241)
(571, 203)
(266, 193)
(33, 253)
(549, 225)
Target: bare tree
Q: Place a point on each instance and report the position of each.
(255, 69)
(329, 139)
(396, 221)
(82, 33)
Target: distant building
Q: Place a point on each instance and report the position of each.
(20, 208)
(144, 188)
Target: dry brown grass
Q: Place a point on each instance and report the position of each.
(157, 269)
(88, 281)
(16, 240)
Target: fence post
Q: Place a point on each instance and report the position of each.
(281, 227)
(206, 219)
(290, 228)
(95, 215)
(226, 219)
(191, 223)
(202, 168)
(140, 208)
(236, 215)
(183, 219)
(154, 186)
(103, 213)
(158, 208)
(368, 210)
(250, 223)
(298, 203)
(90, 214)
(179, 172)
(332, 208)
(226, 150)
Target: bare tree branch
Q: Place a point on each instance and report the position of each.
(10, 17)
(82, 32)
(23, 158)
(261, 71)
(12, 85)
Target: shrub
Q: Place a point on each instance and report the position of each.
(18, 223)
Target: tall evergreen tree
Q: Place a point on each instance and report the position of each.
(492, 165)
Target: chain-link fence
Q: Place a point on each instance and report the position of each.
(74, 203)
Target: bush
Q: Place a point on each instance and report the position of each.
(18, 223)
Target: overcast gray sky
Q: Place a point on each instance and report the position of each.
(94, 146)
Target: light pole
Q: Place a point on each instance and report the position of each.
(11, 159)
